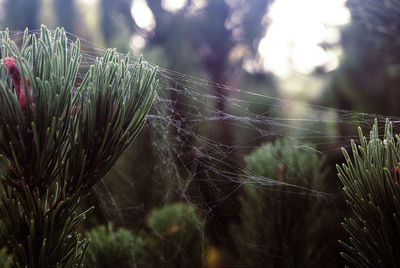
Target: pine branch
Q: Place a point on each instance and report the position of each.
(58, 139)
(371, 182)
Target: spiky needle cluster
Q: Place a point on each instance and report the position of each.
(370, 178)
(58, 138)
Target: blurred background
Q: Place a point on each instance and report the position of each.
(203, 143)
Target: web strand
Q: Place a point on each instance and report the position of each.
(308, 129)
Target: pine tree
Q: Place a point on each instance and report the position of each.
(58, 138)
(282, 223)
(110, 248)
(173, 238)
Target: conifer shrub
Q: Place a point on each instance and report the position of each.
(370, 177)
(281, 218)
(110, 248)
(174, 239)
(58, 138)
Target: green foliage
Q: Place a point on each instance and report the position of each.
(110, 248)
(175, 238)
(41, 230)
(178, 219)
(74, 136)
(281, 224)
(58, 138)
(371, 183)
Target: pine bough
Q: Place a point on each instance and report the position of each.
(58, 138)
(371, 182)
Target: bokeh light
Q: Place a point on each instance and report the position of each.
(142, 15)
(296, 31)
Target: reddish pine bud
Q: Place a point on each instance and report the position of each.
(395, 174)
(13, 71)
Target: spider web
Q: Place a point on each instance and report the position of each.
(182, 154)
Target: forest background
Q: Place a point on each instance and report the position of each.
(218, 41)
